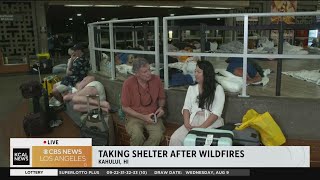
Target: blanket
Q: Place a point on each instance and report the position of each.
(232, 83)
(228, 81)
(312, 76)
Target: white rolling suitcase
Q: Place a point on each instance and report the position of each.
(208, 137)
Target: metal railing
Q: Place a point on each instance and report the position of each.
(113, 50)
(243, 55)
(165, 27)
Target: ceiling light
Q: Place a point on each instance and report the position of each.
(202, 7)
(79, 14)
(211, 8)
(222, 8)
(144, 6)
(70, 19)
(103, 18)
(169, 6)
(106, 5)
(78, 5)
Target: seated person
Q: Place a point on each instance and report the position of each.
(254, 71)
(142, 98)
(88, 86)
(61, 68)
(78, 69)
(203, 104)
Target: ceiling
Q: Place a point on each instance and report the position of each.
(58, 14)
(184, 3)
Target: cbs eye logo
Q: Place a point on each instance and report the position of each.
(21, 156)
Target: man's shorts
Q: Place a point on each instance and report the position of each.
(96, 84)
(100, 88)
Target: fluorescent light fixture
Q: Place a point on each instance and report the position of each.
(149, 6)
(106, 5)
(144, 6)
(171, 14)
(211, 8)
(222, 8)
(169, 6)
(70, 19)
(79, 14)
(78, 5)
(103, 18)
(202, 7)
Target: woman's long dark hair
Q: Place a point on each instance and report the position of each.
(209, 84)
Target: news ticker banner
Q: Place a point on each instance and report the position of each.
(131, 172)
(79, 153)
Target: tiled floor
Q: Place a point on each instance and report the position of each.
(12, 127)
(13, 108)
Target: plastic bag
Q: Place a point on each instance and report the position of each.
(270, 132)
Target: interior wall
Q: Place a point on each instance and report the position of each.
(17, 35)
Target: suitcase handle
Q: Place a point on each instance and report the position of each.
(99, 106)
(99, 110)
(217, 135)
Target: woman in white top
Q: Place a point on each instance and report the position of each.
(203, 103)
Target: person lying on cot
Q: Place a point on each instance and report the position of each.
(254, 71)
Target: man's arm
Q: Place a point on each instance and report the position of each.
(69, 65)
(162, 103)
(160, 111)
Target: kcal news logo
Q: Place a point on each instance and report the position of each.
(21, 156)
